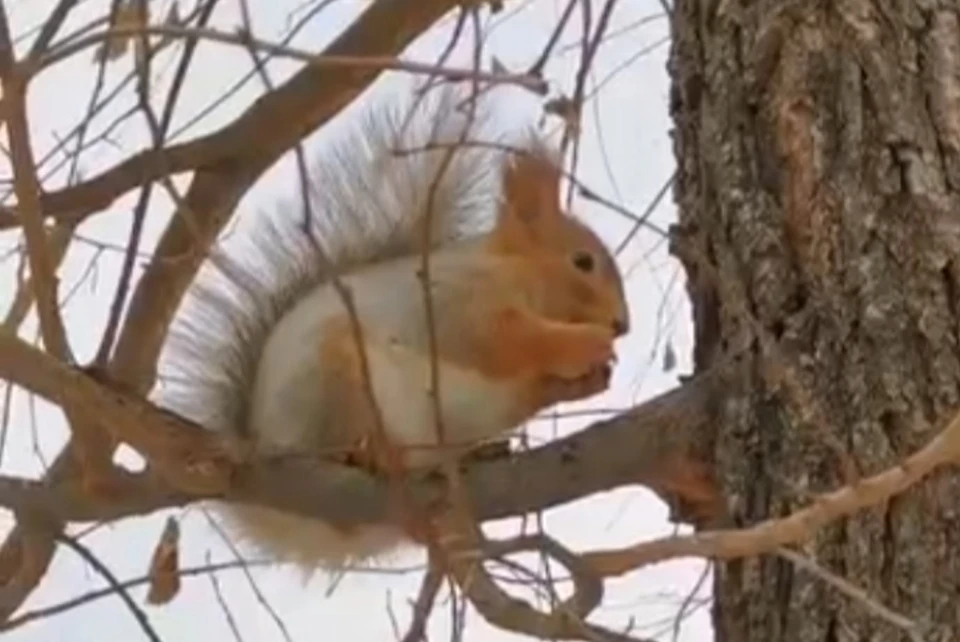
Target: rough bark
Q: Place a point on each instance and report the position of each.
(819, 162)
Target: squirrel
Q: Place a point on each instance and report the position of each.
(526, 301)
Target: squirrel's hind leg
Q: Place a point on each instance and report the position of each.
(352, 372)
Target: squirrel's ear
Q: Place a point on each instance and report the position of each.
(531, 199)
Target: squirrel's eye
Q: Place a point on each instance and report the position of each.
(583, 261)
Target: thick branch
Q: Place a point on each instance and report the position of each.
(278, 119)
(661, 444)
(187, 459)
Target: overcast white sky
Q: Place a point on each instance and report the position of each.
(626, 156)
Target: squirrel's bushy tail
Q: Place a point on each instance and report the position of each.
(364, 203)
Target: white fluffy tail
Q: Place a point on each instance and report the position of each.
(309, 544)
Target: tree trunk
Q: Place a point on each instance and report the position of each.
(819, 161)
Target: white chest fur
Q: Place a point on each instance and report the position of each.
(472, 408)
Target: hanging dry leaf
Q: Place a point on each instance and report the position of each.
(165, 565)
(130, 14)
(567, 109)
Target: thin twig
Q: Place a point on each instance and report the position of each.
(224, 607)
(114, 583)
(536, 69)
(158, 129)
(641, 220)
(98, 85)
(685, 607)
(586, 64)
(60, 237)
(313, 59)
(767, 536)
(902, 622)
(97, 594)
(243, 565)
(432, 580)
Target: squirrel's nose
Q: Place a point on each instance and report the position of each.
(620, 327)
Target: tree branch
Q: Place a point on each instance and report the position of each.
(770, 535)
(298, 97)
(27, 189)
(662, 444)
(280, 118)
(188, 460)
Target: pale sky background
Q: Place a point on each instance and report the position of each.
(626, 156)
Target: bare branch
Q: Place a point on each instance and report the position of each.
(660, 444)
(27, 188)
(224, 607)
(361, 62)
(114, 583)
(552, 474)
(97, 193)
(423, 606)
(51, 27)
(98, 594)
(768, 536)
(908, 626)
(282, 117)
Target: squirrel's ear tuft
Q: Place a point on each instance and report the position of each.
(531, 183)
(531, 197)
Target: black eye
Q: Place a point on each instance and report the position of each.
(583, 261)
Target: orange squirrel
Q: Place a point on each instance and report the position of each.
(525, 314)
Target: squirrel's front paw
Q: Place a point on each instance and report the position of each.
(592, 349)
(593, 383)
